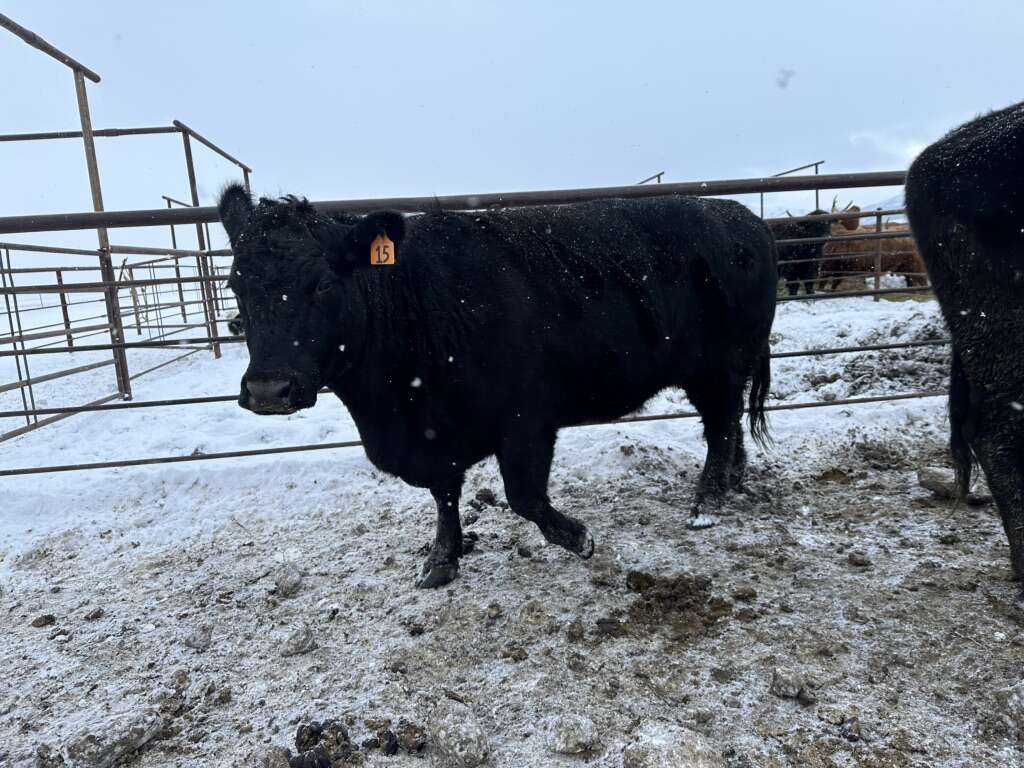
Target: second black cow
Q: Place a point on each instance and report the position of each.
(492, 330)
(965, 202)
(800, 262)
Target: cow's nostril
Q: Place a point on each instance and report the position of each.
(268, 391)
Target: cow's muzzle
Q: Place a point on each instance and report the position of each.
(269, 396)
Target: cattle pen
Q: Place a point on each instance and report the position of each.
(167, 287)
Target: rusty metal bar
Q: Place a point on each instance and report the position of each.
(22, 377)
(135, 404)
(878, 255)
(48, 249)
(209, 214)
(39, 424)
(55, 375)
(657, 176)
(126, 345)
(185, 130)
(98, 132)
(836, 216)
(211, 312)
(851, 294)
(142, 250)
(102, 286)
(37, 42)
(844, 257)
(64, 310)
(886, 235)
(357, 443)
(133, 292)
(113, 309)
(22, 337)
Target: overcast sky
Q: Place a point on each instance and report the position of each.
(359, 99)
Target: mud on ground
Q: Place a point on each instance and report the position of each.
(836, 616)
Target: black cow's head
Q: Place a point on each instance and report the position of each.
(292, 274)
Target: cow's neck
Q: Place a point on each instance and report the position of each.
(375, 324)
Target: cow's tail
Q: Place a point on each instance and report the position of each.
(759, 384)
(959, 415)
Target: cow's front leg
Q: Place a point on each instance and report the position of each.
(525, 463)
(442, 564)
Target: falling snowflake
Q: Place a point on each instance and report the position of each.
(417, 382)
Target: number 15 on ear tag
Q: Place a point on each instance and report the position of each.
(382, 251)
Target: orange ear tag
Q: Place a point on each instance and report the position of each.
(382, 251)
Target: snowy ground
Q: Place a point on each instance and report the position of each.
(164, 606)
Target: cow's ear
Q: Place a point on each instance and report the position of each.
(361, 235)
(331, 235)
(235, 207)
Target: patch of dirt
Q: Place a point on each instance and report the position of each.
(892, 613)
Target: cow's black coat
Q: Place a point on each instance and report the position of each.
(800, 262)
(965, 202)
(495, 329)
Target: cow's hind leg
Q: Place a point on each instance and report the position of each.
(1003, 461)
(442, 564)
(525, 462)
(738, 469)
(720, 405)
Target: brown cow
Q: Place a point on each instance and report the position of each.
(849, 258)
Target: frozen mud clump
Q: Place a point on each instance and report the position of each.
(658, 745)
(682, 605)
(571, 734)
(107, 741)
(456, 737)
(1011, 704)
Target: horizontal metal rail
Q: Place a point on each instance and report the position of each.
(58, 330)
(868, 235)
(105, 132)
(54, 376)
(837, 215)
(844, 257)
(855, 294)
(135, 404)
(356, 443)
(48, 249)
(51, 420)
(103, 285)
(126, 345)
(209, 214)
(861, 348)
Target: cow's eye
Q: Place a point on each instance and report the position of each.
(324, 286)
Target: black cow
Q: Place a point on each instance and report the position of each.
(965, 202)
(800, 262)
(494, 329)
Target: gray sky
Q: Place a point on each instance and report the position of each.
(360, 99)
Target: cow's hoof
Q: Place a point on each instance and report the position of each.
(435, 574)
(700, 518)
(586, 546)
(572, 536)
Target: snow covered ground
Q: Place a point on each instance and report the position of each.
(163, 594)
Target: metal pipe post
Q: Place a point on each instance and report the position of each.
(878, 255)
(64, 310)
(211, 312)
(106, 265)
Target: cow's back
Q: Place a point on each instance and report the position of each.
(965, 202)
